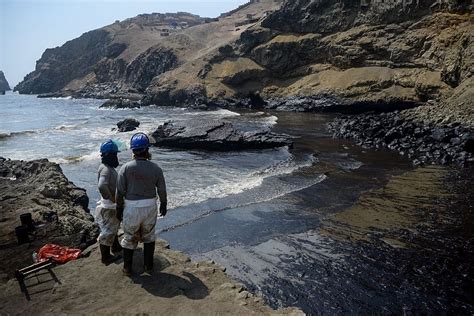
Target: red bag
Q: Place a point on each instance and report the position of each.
(57, 253)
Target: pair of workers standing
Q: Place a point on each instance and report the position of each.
(130, 197)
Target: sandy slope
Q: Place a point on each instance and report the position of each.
(180, 287)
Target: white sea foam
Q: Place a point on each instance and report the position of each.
(221, 113)
(95, 155)
(218, 190)
(286, 166)
(238, 184)
(224, 113)
(259, 197)
(270, 120)
(13, 134)
(65, 127)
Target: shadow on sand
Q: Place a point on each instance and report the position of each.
(165, 284)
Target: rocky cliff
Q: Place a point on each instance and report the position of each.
(124, 57)
(119, 57)
(357, 51)
(339, 55)
(306, 55)
(4, 86)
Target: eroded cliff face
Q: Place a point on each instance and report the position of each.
(356, 55)
(58, 66)
(4, 86)
(120, 57)
(356, 51)
(326, 16)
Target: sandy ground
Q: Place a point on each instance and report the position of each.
(177, 287)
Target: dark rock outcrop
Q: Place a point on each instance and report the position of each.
(153, 62)
(4, 86)
(327, 16)
(128, 125)
(193, 96)
(360, 52)
(120, 104)
(140, 72)
(118, 57)
(328, 103)
(59, 66)
(215, 135)
(423, 144)
(58, 207)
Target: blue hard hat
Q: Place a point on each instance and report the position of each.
(139, 141)
(109, 147)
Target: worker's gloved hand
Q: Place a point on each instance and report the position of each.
(120, 213)
(163, 209)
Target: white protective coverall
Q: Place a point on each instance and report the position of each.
(105, 212)
(139, 221)
(138, 183)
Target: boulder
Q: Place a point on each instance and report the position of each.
(120, 104)
(128, 125)
(215, 135)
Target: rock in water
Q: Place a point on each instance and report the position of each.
(58, 207)
(120, 104)
(128, 125)
(216, 135)
(4, 86)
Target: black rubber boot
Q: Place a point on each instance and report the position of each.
(116, 247)
(148, 252)
(106, 257)
(127, 261)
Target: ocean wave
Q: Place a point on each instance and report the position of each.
(286, 166)
(239, 185)
(62, 127)
(95, 155)
(222, 113)
(14, 134)
(270, 120)
(65, 127)
(259, 118)
(215, 191)
(61, 98)
(258, 197)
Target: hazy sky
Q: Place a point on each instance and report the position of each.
(28, 27)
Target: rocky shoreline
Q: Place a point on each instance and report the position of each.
(422, 143)
(60, 213)
(58, 207)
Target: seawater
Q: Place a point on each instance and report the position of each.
(267, 215)
(69, 132)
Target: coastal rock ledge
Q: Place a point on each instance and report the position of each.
(58, 207)
(216, 135)
(422, 143)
